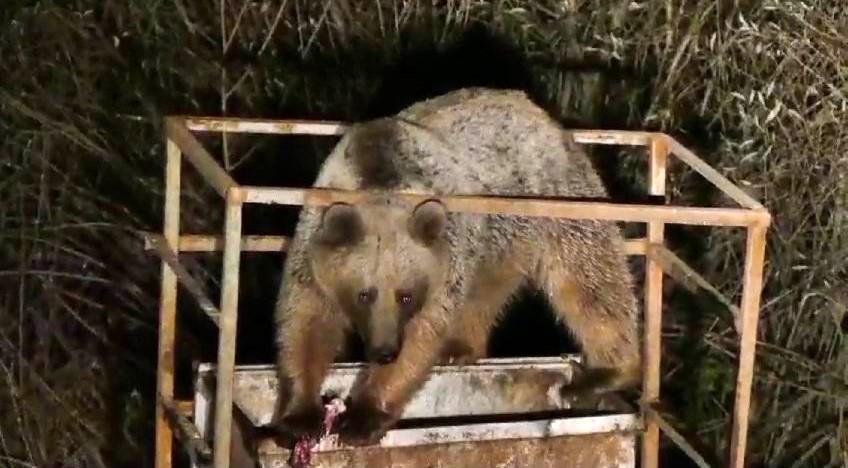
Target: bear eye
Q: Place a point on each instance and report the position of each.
(367, 296)
(404, 299)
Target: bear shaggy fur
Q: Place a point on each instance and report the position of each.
(421, 285)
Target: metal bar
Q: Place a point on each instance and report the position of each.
(636, 246)
(653, 307)
(227, 333)
(516, 206)
(612, 137)
(675, 267)
(211, 243)
(168, 306)
(652, 416)
(212, 172)
(187, 432)
(751, 291)
(264, 126)
(721, 182)
(192, 285)
(184, 407)
(330, 128)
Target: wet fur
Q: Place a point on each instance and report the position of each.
(471, 141)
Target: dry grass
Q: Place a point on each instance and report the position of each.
(761, 90)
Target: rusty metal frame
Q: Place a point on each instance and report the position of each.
(181, 141)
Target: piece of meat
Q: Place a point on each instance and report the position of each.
(303, 449)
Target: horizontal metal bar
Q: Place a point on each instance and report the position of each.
(265, 126)
(184, 407)
(721, 182)
(678, 269)
(157, 242)
(214, 243)
(635, 246)
(612, 137)
(330, 128)
(675, 436)
(515, 206)
(209, 169)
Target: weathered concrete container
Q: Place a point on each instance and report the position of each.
(497, 413)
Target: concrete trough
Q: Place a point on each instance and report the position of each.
(495, 413)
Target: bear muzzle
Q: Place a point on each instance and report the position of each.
(384, 355)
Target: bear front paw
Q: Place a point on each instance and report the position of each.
(308, 421)
(364, 424)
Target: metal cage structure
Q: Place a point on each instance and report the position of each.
(181, 143)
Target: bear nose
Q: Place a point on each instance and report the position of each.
(385, 355)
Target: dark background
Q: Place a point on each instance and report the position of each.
(85, 85)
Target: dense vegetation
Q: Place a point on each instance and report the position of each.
(759, 88)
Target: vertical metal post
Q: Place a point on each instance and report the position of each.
(653, 308)
(168, 307)
(750, 308)
(227, 329)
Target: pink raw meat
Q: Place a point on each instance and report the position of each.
(302, 452)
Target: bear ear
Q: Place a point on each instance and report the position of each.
(340, 225)
(428, 221)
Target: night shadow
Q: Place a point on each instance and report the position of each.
(479, 58)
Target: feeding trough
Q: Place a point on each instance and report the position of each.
(495, 413)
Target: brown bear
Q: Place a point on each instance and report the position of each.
(420, 284)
